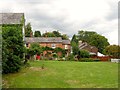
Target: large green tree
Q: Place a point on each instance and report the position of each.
(99, 41)
(113, 50)
(64, 37)
(74, 39)
(55, 34)
(75, 48)
(28, 30)
(85, 36)
(74, 44)
(48, 34)
(94, 39)
(37, 34)
(12, 48)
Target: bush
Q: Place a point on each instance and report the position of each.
(34, 49)
(70, 57)
(96, 59)
(83, 54)
(86, 60)
(89, 60)
(12, 48)
(55, 56)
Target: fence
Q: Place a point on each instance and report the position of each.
(103, 58)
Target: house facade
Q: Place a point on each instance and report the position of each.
(91, 49)
(51, 42)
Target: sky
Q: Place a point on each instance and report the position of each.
(68, 16)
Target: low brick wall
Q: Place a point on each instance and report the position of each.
(103, 58)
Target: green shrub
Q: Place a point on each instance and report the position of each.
(70, 57)
(83, 54)
(86, 60)
(35, 49)
(12, 48)
(96, 59)
(89, 60)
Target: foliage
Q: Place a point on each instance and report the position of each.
(47, 48)
(74, 44)
(28, 30)
(58, 49)
(55, 55)
(35, 49)
(85, 36)
(94, 39)
(74, 39)
(86, 60)
(113, 50)
(83, 54)
(62, 51)
(70, 57)
(75, 48)
(12, 48)
(55, 34)
(64, 37)
(48, 34)
(99, 41)
(37, 34)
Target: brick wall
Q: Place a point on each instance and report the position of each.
(50, 45)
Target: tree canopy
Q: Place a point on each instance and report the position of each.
(28, 30)
(99, 41)
(37, 34)
(48, 34)
(55, 34)
(113, 50)
(94, 39)
(83, 54)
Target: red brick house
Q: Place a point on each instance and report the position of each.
(52, 42)
(91, 49)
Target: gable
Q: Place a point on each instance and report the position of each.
(11, 18)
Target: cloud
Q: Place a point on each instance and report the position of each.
(68, 16)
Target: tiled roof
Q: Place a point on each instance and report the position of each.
(85, 44)
(11, 18)
(43, 39)
(66, 41)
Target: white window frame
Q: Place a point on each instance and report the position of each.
(66, 46)
(53, 45)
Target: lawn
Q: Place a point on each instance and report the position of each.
(64, 74)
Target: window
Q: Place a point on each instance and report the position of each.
(53, 45)
(66, 46)
(27, 44)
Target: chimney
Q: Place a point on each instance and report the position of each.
(31, 34)
(80, 42)
(46, 34)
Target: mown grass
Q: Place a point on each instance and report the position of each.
(64, 74)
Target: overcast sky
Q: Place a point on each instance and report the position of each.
(68, 16)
